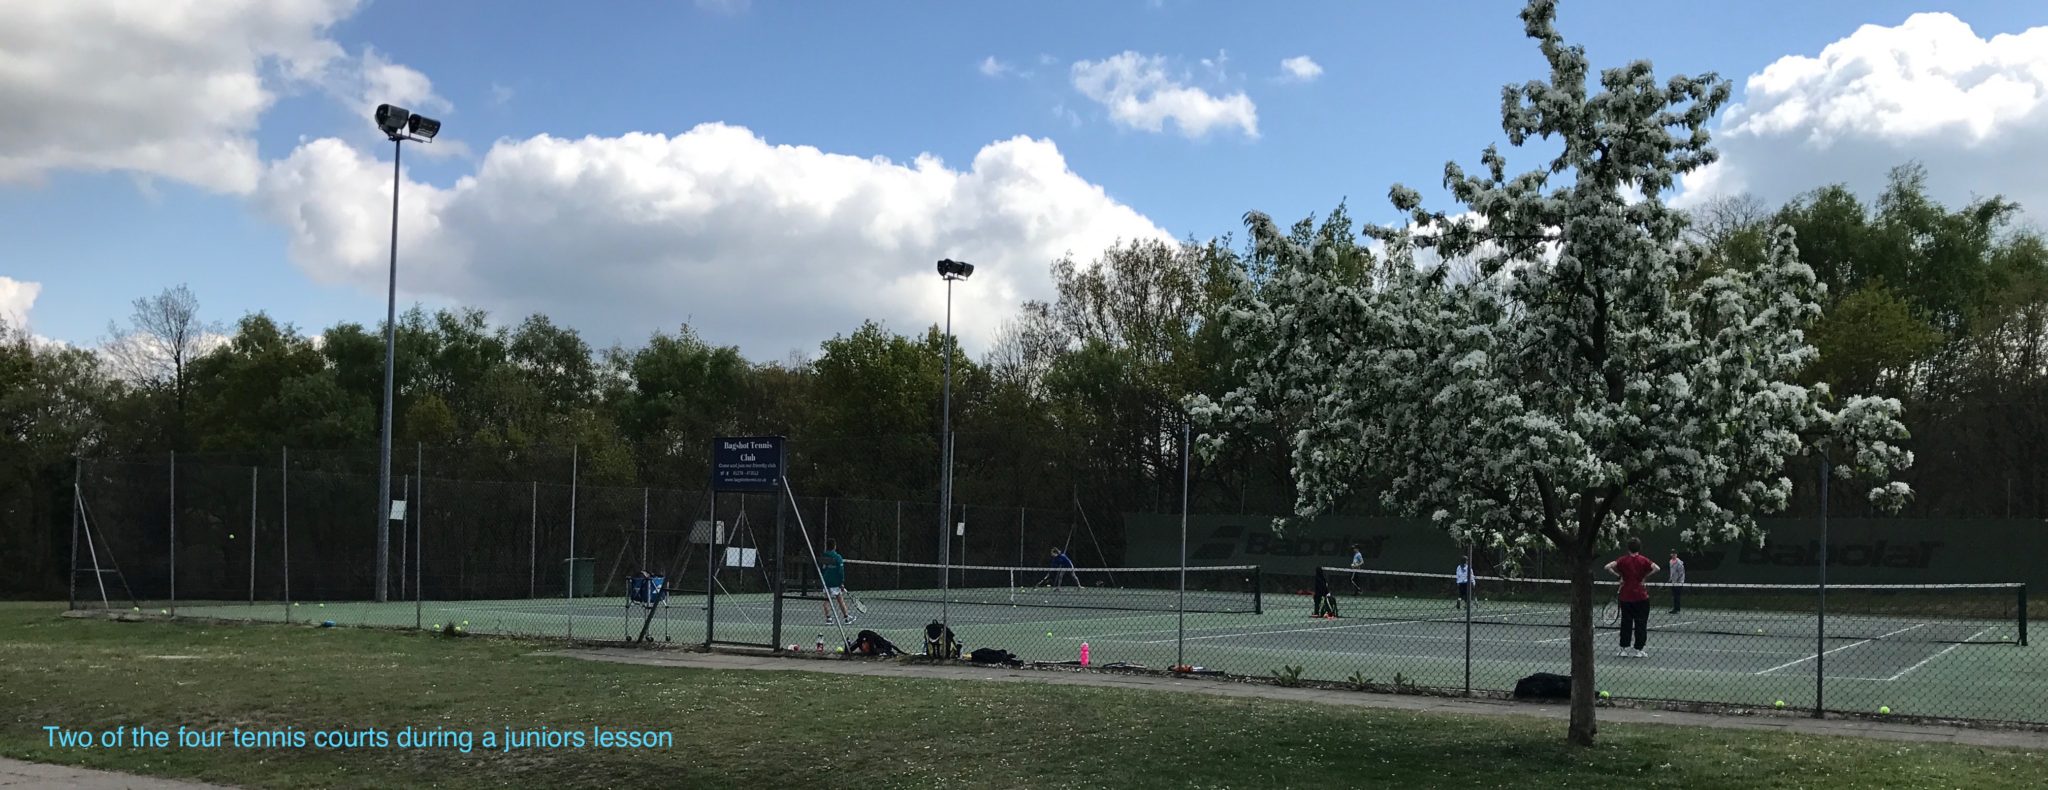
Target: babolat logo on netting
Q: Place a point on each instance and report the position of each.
(1880, 554)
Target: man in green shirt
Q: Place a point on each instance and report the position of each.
(833, 568)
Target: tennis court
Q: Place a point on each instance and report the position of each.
(1951, 659)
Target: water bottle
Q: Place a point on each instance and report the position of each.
(821, 643)
(1084, 654)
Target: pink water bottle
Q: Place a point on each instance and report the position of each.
(1084, 654)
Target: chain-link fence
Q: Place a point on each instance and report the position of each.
(1925, 618)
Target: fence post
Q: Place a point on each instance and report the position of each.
(419, 526)
(404, 530)
(77, 474)
(174, 533)
(252, 536)
(575, 462)
(533, 543)
(711, 572)
(1180, 638)
(284, 491)
(899, 543)
(645, 503)
(1472, 576)
(1820, 623)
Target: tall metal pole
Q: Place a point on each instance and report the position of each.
(1180, 639)
(645, 501)
(390, 371)
(946, 474)
(1820, 623)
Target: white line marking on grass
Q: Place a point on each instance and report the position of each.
(1944, 651)
(1856, 643)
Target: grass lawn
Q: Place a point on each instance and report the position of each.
(763, 729)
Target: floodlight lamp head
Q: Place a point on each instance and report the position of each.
(955, 270)
(393, 120)
(423, 127)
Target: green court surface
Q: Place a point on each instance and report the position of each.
(1944, 667)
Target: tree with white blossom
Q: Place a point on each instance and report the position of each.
(1555, 368)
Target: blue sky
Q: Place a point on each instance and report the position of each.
(1402, 87)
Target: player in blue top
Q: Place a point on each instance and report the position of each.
(1062, 568)
(832, 567)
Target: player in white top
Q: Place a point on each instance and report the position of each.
(1357, 564)
(1464, 582)
(1677, 579)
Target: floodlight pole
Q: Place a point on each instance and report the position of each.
(390, 371)
(946, 474)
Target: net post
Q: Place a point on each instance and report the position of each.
(2023, 615)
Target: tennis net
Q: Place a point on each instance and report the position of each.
(1213, 589)
(1940, 613)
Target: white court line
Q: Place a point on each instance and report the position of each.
(1844, 647)
(1944, 651)
(1242, 633)
(1666, 626)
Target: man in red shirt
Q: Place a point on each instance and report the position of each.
(1634, 597)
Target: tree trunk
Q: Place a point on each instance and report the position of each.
(1583, 691)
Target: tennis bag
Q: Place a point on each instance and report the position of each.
(939, 641)
(869, 643)
(1544, 685)
(990, 655)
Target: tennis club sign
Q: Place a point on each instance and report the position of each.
(746, 463)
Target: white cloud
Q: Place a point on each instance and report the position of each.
(1300, 68)
(16, 298)
(500, 94)
(1973, 110)
(772, 247)
(160, 89)
(990, 67)
(1141, 95)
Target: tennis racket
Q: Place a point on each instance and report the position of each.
(1610, 613)
(858, 604)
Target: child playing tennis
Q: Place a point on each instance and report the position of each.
(832, 567)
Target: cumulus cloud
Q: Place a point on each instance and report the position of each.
(772, 247)
(1140, 94)
(990, 67)
(172, 89)
(1974, 110)
(1300, 68)
(16, 297)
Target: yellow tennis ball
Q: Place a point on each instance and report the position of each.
(231, 536)
(1778, 704)
(1604, 695)
(1884, 709)
(465, 622)
(163, 611)
(138, 608)
(1048, 633)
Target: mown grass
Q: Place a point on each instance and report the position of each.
(785, 729)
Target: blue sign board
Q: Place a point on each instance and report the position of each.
(746, 463)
